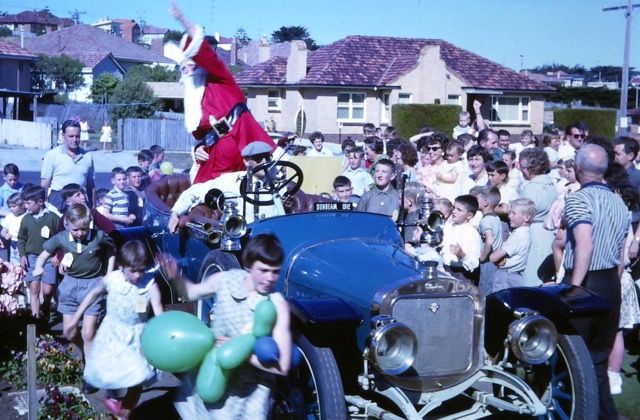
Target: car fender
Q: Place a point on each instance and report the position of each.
(320, 319)
(559, 303)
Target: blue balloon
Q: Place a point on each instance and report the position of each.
(296, 356)
(267, 351)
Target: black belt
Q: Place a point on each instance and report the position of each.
(223, 126)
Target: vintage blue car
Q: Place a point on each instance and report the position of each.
(385, 335)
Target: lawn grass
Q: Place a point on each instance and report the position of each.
(628, 403)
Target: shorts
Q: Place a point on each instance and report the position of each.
(72, 292)
(49, 275)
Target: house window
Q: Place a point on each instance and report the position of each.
(385, 112)
(453, 99)
(405, 98)
(274, 100)
(510, 109)
(351, 107)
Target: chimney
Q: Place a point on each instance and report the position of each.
(264, 51)
(233, 60)
(297, 62)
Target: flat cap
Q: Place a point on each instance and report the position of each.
(255, 148)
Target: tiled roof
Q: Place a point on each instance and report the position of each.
(150, 29)
(378, 61)
(271, 72)
(36, 16)
(10, 49)
(91, 45)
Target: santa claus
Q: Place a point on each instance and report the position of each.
(214, 105)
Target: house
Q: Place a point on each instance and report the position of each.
(357, 79)
(153, 36)
(99, 51)
(559, 78)
(36, 22)
(16, 97)
(126, 29)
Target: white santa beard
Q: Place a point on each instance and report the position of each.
(194, 85)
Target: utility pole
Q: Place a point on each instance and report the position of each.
(624, 84)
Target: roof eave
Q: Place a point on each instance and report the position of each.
(318, 86)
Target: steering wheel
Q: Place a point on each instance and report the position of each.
(281, 178)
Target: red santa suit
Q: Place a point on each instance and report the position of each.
(222, 96)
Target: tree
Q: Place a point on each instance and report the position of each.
(291, 33)
(242, 37)
(172, 35)
(61, 73)
(152, 74)
(132, 98)
(5, 32)
(103, 87)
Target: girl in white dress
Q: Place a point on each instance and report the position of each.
(105, 137)
(116, 362)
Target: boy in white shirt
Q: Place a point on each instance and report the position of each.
(11, 224)
(511, 259)
(461, 245)
(360, 178)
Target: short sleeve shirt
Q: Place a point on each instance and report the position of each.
(517, 248)
(492, 223)
(61, 169)
(89, 256)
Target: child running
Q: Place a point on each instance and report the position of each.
(88, 255)
(116, 362)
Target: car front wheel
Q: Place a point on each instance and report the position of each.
(566, 384)
(313, 389)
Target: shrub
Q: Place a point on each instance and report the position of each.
(601, 122)
(59, 404)
(409, 119)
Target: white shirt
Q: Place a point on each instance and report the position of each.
(323, 152)
(229, 184)
(360, 180)
(12, 224)
(566, 151)
(469, 240)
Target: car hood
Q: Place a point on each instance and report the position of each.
(352, 269)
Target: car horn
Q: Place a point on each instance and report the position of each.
(206, 231)
(234, 227)
(431, 221)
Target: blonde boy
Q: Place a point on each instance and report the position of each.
(511, 258)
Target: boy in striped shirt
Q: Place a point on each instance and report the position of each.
(116, 202)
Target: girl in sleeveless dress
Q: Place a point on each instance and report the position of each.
(116, 362)
(237, 293)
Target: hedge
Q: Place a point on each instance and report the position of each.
(409, 119)
(601, 122)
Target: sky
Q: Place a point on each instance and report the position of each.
(515, 33)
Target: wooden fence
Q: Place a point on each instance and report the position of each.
(36, 135)
(137, 134)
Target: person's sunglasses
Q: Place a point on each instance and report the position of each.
(578, 136)
(433, 149)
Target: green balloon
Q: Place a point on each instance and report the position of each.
(264, 318)
(212, 379)
(176, 341)
(235, 351)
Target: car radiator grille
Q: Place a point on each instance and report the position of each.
(444, 328)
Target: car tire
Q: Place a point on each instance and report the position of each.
(313, 389)
(215, 261)
(567, 384)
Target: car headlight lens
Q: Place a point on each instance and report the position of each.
(393, 347)
(533, 339)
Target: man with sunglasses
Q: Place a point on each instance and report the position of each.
(215, 108)
(574, 137)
